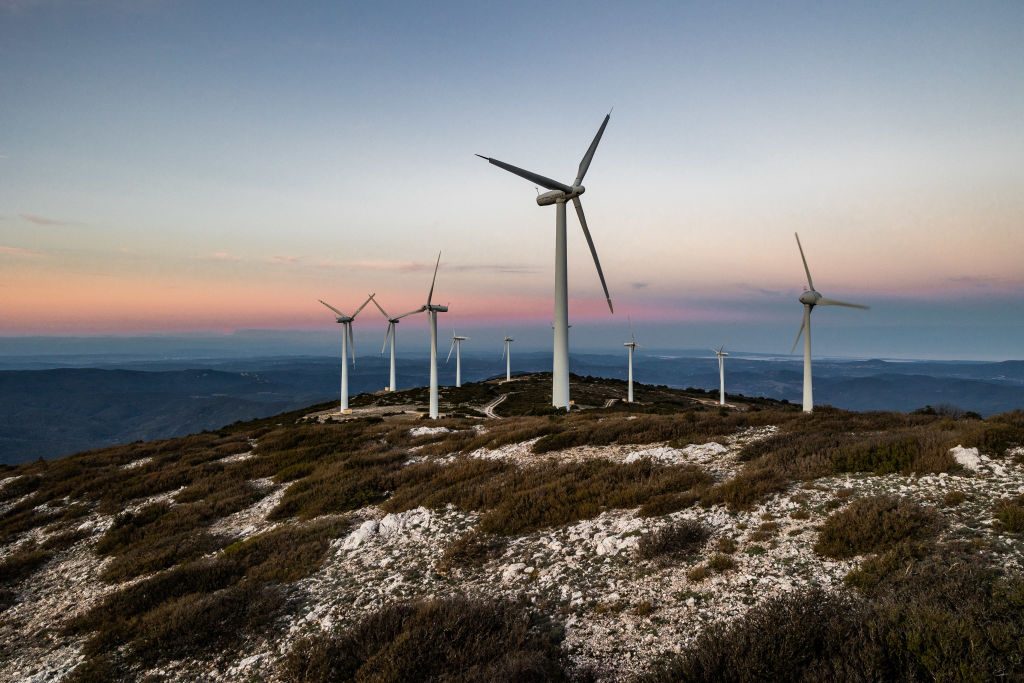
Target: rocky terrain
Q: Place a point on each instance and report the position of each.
(622, 607)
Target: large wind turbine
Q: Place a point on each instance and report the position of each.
(632, 346)
(348, 345)
(559, 194)
(506, 353)
(721, 373)
(391, 334)
(457, 346)
(810, 299)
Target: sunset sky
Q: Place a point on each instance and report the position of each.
(170, 165)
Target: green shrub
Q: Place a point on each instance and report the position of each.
(443, 640)
(677, 541)
(721, 563)
(875, 524)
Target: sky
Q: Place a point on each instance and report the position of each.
(174, 166)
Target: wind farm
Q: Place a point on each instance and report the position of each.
(192, 489)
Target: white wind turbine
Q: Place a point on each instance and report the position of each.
(559, 194)
(391, 334)
(348, 345)
(632, 346)
(810, 299)
(457, 346)
(721, 373)
(506, 353)
(432, 311)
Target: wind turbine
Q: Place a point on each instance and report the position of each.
(506, 353)
(559, 194)
(811, 298)
(348, 345)
(391, 334)
(633, 346)
(432, 311)
(721, 373)
(457, 346)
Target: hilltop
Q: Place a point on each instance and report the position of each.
(670, 539)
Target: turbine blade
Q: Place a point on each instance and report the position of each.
(798, 335)
(810, 285)
(450, 349)
(351, 343)
(589, 156)
(332, 308)
(530, 175)
(387, 336)
(586, 232)
(631, 335)
(833, 302)
(368, 300)
(418, 310)
(380, 309)
(503, 349)
(431, 294)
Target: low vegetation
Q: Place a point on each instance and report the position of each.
(454, 639)
(875, 525)
(677, 541)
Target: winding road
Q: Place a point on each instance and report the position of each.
(488, 409)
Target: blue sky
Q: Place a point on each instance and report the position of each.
(171, 166)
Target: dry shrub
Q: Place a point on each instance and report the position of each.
(698, 573)
(442, 640)
(472, 549)
(721, 563)
(20, 564)
(1010, 513)
(64, 540)
(953, 498)
(802, 636)
(287, 553)
(875, 524)
(154, 538)
(745, 489)
(677, 541)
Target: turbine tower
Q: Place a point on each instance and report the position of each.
(632, 346)
(391, 334)
(721, 373)
(457, 346)
(559, 194)
(348, 345)
(811, 298)
(506, 353)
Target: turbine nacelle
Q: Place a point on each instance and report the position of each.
(810, 298)
(556, 196)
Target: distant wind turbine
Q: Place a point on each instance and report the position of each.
(810, 299)
(391, 334)
(432, 311)
(457, 346)
(632, 346)
(348, 345)
(559, 194)
(506, 353)
(721, 373)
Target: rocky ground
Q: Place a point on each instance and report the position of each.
(620, 612)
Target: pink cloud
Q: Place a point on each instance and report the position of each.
(41, 220)
(17, 251)
(285, 259)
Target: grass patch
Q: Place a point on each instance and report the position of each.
(1010, 514)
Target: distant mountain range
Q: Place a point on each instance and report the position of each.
(48, 413)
